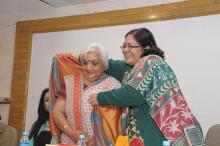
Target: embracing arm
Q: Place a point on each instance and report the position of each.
(61, 121)
(117, 68)
(123, 97)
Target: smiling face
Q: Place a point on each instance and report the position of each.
(92, 66)
(131, 50)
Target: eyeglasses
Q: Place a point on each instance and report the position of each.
(129, 46)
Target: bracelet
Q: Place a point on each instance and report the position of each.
(65, 126)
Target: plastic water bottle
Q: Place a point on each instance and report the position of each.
(166, 143)
(82, 140)
(24, 141)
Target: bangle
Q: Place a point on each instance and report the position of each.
(65, 126)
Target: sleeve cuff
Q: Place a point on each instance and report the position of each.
(100, 98)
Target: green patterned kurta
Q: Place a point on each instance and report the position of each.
(157, 109)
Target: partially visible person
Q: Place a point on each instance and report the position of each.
(157, 108)
(6, 135)
(40, 131)
(72, 84)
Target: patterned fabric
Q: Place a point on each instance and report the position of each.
(168, 108)
(132, 129)
(104, 84)
(65, 70)
(66, 83)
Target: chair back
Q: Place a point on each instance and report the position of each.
(213, 136)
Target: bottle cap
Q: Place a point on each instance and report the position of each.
(166, 143)
(25, 133)
(81, 136)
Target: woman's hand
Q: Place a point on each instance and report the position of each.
(93, 99)
(89, 141)
(75, 136)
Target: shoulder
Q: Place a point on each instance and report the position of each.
(148, 60)
(151, 58)
(147, 64)
(117, 63)
(110, 82)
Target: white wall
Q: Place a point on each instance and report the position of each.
(4, 112)
(7, 35)
(191, 46)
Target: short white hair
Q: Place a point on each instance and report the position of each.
(95, 47)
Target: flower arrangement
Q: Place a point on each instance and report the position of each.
(126, 141)
(135, 141)
(122, 141)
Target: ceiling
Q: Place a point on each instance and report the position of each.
(7, 6)
(14, 6)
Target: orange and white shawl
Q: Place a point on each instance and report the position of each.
(66, 82)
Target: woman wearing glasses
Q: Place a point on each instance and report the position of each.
(157, 110)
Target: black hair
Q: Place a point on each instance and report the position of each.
(146, 40)
(43, 116)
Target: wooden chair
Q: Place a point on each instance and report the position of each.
(213, 136)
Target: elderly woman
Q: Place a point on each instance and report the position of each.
(157, 108)
(72, 84)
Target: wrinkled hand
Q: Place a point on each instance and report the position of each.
(93, 99)
(75, 136)
(89, 141)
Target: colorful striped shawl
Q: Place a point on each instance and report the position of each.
(63, 65)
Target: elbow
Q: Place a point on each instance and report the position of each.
(55, 113)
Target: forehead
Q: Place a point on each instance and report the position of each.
(130, 39)
(94, 55)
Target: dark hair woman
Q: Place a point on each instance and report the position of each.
(146, 40)
(40, 132)
(157, 110)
